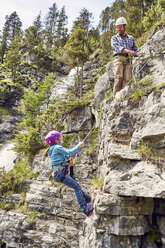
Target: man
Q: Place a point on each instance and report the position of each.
(123, 45)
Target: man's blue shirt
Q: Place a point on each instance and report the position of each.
(118, 43)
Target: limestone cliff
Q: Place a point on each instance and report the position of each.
(129, 212)
(130, 208)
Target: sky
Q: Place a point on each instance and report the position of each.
(27, 10)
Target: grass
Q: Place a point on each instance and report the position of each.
(7, 205)
(149, 151)
(33, 216)
(97, 182)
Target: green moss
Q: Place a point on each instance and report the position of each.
(4, 111)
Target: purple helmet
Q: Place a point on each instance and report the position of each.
(52, 136)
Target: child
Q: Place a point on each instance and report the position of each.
(60, 161)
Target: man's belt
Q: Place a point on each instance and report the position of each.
(120, 54)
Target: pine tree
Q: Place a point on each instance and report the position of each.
(61, 36)
(4, 41)
(11, 29)
(51, 24)
(14, 25)
(84, 21)
(135, 13)
(77, 54)
(13, 56)
(33, 35)
(105, 19)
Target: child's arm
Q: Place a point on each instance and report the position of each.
(69, 152)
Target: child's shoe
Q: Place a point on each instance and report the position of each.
(88, 198)
(88, 210)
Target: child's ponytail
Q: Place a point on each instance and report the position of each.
(46, 152)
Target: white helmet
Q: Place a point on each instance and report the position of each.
(121, 21)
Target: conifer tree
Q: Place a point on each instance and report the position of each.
(13, 56)
(15, 25)
(51, 23)
(4, 40)
(105, 19)
(135, 13)
(33, 35)
(11, 29)
(61, 35)
(77, 55)
(84, 20)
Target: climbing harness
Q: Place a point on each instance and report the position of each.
(71, 158)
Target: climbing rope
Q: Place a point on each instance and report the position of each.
(149, 57)
(147, 61)
(89, 132)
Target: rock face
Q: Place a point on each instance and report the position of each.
(130, 208)
(129, 212)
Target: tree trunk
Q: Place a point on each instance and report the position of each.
(81, 81)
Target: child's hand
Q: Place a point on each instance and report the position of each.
(81, 144)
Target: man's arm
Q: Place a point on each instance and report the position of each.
(134, 50)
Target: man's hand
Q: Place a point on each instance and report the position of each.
(81, 144)
(140, 55)
(132, 53)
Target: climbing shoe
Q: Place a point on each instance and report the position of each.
(88, 210)
(88, 198)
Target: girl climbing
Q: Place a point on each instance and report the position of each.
(60, 162)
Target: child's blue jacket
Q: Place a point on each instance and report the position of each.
(58, 154)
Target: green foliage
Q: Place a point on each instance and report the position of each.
(13, 58)
(5, 89)
(33, 100)
(7, 205)
(13, 181)
(67, 140)
(4, 111)
(140, 88)
(154, 14)
(145, 150)
(106, 51)
(153, 234)
(33, 216)
(28, 143)
(54, 115)
(75, 47)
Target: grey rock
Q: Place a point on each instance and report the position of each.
(142, 179)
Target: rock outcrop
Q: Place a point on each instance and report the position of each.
(129, 212)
